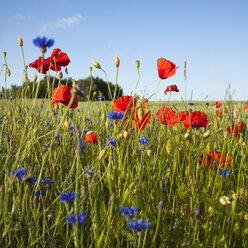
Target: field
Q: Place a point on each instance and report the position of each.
(122, 173)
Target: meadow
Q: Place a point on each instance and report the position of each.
(122, 173)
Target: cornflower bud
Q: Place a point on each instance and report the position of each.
(20, 41)
(117, 61)
(43, 49)
(96, 64)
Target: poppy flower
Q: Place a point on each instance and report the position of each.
(171, 88)
(214, 159)
(167, 116)
(37, 64)
(142, 123)
(219, 113)
(61, 59)
(217, 104)
(245, 107)
(236, 129)
(124, 104)
(144, 100)
(91, 138)
(166, 68)
(196, 119)
(183, 115)
(63, 94)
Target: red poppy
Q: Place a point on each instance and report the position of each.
(171, 88)
(226, 110)
(214, 159)
(91, 138)
(144, 100)
(63, 94)
(196, 119)
(166, 68)
(217, 104)
(61, 59)
(245, 107)
(219, 112)
(124, 104)
(167, 116)
(236, 128)
(142, 123)
(183, 115)
(37, 64)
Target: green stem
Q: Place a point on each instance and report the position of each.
(116, 83)
(157, 90)
(110, 94)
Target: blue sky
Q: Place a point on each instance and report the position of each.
(210, 35)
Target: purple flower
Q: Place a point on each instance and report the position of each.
(226, 172)
(112, 142)
(67, 196)
(143, 140)
(115, 115)
(140, 224)
(76, 219)
(128, 211)
(43, 42)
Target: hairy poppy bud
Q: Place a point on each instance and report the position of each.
(149, 152)
(66, 70)
(210, 210)
(60, 75)
(120, 136)
(117, 61)
(67, 125)
(96, 64)
(101, 154)
(125, 135)
(8, 72)
(234, 204)
(169, 146)
(4, 54)
(26, 76)
(35, 77)
(206, 134)
(137, 63)
(20, 41)
(185, 71)
(30, 118)
(107, 124)
(187, 136)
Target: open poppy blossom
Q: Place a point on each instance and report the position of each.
(196, 119)
(171, 88)
(124, 104)
(37, 64)
(236, 128)
(217, 104)
(215, 159)
(183, 115)
(166, 68)
(245, 107)
(219, 113)
(91, 138)
(142, 123)
(167, 116)
(62, 59)
(63, 94)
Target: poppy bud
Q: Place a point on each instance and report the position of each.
(117, 61)
(26, 77)
(67, 125)
(125, 135)
(120, 136)
(169, 146)
(8, 72)
(149, 152)
(210, 210)
(137, 63)
(103, 117)
(4, 54)
(185, 71)
(187, 136)
(235, 113)
(234, 203)
(30, 118)
(20, 41)
(96, 64)
(107, 124)
(101, 154)
(140, 113)
(35, 77)
(206, 134)
(60, 75)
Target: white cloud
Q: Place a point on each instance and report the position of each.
(21, 17)
(62, 22)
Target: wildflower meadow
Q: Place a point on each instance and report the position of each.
(124, 172)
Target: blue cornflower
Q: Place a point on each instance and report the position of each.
(24, 114)
(78, 110)
(226, 172)
(46, 181)
(100, 97)
(112, 142)
(43, 42)
(85, 131)
(67, 196)
(72, 127)
(56, 135)
(18, 173)
(191, 103)
(73, 220)
(128, 211)
(88, 119)
(37, 193)
(1, 122)
(165, 190)
(197, 211)
(47, 124)
(115, 115)
(140, 224)
(143, 140)
(31, 180)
